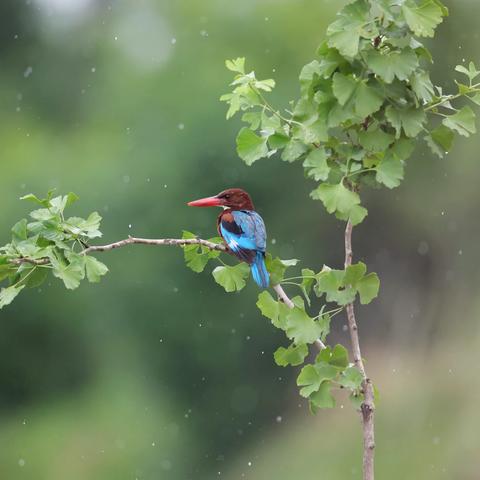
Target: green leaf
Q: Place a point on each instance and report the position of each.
(301, 328)
(251, 147)
(197, 256)
(276, 267)
(390, 171)
(337, 357)
(357, 215)
(351, 378)
(293, 355)
(316, 165)
(471, 72)
(354, 273)
(422, 86)
(44, 202)
(35, 276)
(410, 119)
(444, 137)
(312, 376)
(336, 197)
(367, 100)
(293, 150)
(307, 281)
(424, 18)
(375, 139)
(94, 269)
(272, 309)
(368, 288)
(323, 398)
(462, 122)
(231, 278)
(253, 118)
(237, 65)
(343, 87)
(72, 272)
(344, 34)
(7, 295)
(19, 231)
(396, 63)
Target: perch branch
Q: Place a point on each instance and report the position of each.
(156, 242)
(367, 408)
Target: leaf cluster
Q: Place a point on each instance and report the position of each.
(49, 241)
(364, 101)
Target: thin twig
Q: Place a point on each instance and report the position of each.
(367, 408)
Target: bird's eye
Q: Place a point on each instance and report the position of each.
(226, 196)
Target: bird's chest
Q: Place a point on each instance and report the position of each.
(226, 221)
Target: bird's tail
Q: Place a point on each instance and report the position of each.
(259, 271)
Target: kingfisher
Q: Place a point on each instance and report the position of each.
(242, 230)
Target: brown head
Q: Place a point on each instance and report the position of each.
(233, 198)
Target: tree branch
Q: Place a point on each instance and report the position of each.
(156, 242)
(367, 407)
(130, 241)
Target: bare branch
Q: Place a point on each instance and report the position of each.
(367, 407)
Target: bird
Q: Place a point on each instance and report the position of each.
(242, 229)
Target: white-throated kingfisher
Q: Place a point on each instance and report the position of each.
(242, 229)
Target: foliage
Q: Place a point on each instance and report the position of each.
(50, 241)
(364, 101)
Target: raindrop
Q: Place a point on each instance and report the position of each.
(345, 328)
(21, 462)
(181, 126)
(126, 179)
(165, 186)
(129, 225)
(267, 19)
(15, 36)
(28, 71)
(249, 464)
(175, 289)
(423, 248)
(93, 69)
(204, 33)
(460, 252)
(274, 241)
(173, 41)
(115, 38)
(153, 444)
(279, 419)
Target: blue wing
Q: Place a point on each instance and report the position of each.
(244, 233)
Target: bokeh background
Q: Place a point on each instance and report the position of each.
(156, 373)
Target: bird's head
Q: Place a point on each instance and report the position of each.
(233, 198)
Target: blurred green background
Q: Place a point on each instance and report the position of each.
(156, 373)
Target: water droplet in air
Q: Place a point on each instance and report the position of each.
(115, 37)
(181, 126)
(279, 419)
(93, 69)
(129, 225)
(21, 462)
(28, 71)
(204, 33)
(126, 179)
(249, 464)
(173, 41)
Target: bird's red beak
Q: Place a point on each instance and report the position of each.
(206, 202)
